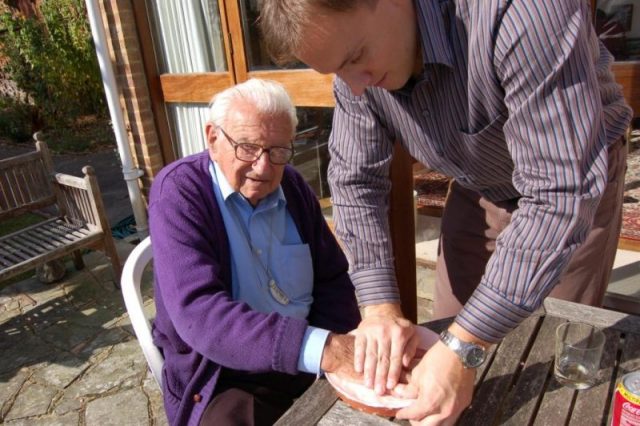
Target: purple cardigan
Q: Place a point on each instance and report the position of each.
(198, 326)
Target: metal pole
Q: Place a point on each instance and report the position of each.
(131, 174)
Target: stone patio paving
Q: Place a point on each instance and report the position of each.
(68, 353)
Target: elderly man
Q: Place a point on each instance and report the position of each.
(251, 287)
(516, 100)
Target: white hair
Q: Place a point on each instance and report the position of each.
(267, 96)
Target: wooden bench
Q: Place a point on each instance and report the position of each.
(28, 183)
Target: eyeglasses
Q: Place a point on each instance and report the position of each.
(251, 152)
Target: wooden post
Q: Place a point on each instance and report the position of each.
(402, 225)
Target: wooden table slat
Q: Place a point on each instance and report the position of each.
(592, 405)
(343, 415)
(556, 404)
(498, 379)
(311, 406)
(630, 357)
(438, 325)
(522, 402)
(596, 316)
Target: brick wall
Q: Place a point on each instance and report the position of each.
(124, 46)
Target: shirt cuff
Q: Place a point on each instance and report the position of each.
(375, 286)
(489, 316)
(311, 350)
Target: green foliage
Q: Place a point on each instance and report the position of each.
(53, 61)
(87, 136)
(16, 119)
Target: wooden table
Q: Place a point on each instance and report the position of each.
(516, 385)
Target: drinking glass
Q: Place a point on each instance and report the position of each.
(578, 351)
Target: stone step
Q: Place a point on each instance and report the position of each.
(427, 253)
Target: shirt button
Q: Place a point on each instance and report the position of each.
(197, 397)
(258, 251)
(426, 113)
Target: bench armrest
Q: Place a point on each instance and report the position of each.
(80, 198)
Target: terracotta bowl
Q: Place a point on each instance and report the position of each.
(362, 398)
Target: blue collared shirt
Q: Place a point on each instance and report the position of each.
(271, 268)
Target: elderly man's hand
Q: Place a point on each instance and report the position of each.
(337, 356)
(442, 386)
(385, 343)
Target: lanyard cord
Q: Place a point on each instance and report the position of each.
(275, 291)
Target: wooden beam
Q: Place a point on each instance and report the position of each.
(232, 23)
(153, 81)
(194, 87)
(402, 225)
(306, 87)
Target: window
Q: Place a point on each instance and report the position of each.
(188, 36)
(256, 53)
(205, 46)
(311, 156)
(617, 23)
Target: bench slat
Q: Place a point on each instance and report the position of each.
(45, 245)
(24, 187)
(9, 255)
(21, 249)
(54, 232)
(67, 230)
(11, 162)
(59, 231)
(34, 249)
(76, 204)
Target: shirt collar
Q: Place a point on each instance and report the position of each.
(272, 200)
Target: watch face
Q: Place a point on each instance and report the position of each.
(474, 357)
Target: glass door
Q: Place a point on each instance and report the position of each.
(191, 44)
(617, 23)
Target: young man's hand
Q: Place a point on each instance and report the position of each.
(385, 342)
(441, 384)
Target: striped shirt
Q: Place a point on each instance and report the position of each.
(516, 99)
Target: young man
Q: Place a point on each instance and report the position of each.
(516, 101)
(249, 280)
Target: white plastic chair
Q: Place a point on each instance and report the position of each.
(131, 279)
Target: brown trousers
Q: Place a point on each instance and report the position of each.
(243, 399)
(471, 224)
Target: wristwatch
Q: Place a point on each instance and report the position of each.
(472, 355)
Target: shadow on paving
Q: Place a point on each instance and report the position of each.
(69, 355)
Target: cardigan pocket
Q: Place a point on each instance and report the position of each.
(169, 384)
